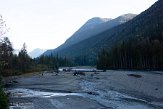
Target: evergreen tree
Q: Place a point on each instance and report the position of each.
(5, 48)
(23, 59)
(141, 53)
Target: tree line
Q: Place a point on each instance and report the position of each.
(51, 62)
(140, 54)
(12, 64)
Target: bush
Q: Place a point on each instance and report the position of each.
(3, 98)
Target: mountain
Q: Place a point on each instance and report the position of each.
(36, 52)
(85, 30)
(147, 25)
(91, 28)
(82, 33)
(16, 51)
(92, 23)
(137, 44)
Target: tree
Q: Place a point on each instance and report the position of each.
(24, 59)
(5, 50)
(103, 60)
(3, 28)
(140, 53)
(5, 47)
(1, 39)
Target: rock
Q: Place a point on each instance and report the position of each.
(15, 81)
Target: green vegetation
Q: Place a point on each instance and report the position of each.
(3, 98)
(3, 44)
(138, 54)
(149, 24)
(51, 62)
(83, 61)
(22, 63)
(138, 43)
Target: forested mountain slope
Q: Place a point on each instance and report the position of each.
(91, 28)
(148, 25)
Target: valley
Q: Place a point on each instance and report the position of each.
(107, 63)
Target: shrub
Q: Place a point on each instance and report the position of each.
(3, 98)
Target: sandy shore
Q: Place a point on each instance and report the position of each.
(147, 88)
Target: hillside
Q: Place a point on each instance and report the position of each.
(91, 28)
(149, 24)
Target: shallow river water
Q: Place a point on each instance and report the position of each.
(111, 99)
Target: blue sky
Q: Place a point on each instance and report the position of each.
(48, 23)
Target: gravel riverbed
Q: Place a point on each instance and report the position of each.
(94, 90)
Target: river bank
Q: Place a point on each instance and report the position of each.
(96, 90)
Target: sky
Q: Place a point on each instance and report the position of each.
(46, 24)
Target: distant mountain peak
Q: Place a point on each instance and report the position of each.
(91, 23)
(126, 17)
(36, 52)
(129, 15)
(98, 19)
(16, 51)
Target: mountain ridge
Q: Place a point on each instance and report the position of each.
(148, 24)
(81, 35)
